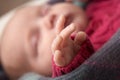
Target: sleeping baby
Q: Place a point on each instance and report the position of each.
(48, 40)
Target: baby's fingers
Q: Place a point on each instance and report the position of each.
(59, 58)
(79, 39)
(56, 44)
(65, 33)
(60, 24)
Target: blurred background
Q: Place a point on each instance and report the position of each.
(7, 5)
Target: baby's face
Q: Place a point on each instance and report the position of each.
(26, 42)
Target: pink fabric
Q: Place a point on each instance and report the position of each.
(104, 19)
(104, 16)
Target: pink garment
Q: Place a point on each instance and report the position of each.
(104, 17)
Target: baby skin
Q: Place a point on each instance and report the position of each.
(34, 37)
(64, 48)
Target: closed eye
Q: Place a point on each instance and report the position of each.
(34, 40)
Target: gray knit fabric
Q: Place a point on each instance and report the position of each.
(103, 65)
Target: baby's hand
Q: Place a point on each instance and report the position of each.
(63, 47)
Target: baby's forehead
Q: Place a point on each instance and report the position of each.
(28, 9)
(38, 8)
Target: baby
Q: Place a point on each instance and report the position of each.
(34, 35)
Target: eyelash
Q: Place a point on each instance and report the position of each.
(35, 36)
